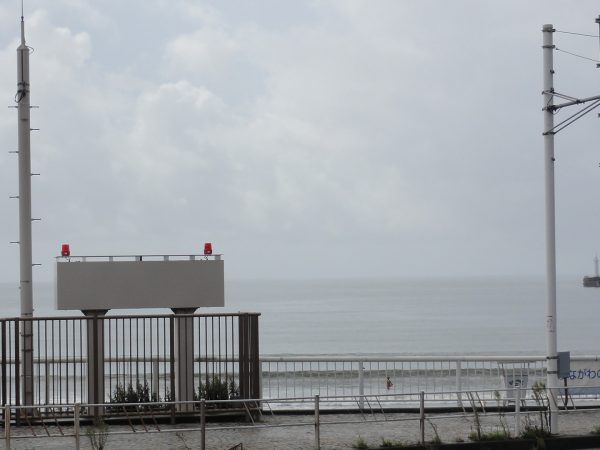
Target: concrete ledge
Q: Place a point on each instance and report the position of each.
(550, 443)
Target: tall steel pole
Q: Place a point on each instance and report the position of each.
(24, 149)
(551, 342)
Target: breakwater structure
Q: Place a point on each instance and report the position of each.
(593, 281)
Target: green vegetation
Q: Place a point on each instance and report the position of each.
(540, 395)
(534, 432)
(140, 395)
(390, 443)
(97, 434)
(541, 430)
(360, 443)
(499, 435)
(436, 437)
(217, 389)
(476, 419)
(503, 421)
(214, 389)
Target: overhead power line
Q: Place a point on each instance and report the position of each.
(575, 54)
(577, 34)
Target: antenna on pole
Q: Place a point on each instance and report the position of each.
(25, 239)
(22, 23)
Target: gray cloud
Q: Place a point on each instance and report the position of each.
(305, 139)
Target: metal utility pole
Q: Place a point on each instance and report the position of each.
(551, 342)
(24, 150)
(549, 108)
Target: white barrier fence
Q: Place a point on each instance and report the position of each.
(331, 376)
(439, 376)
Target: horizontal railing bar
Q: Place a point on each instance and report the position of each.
(148, 359)
(256, 401)
(137, 316)
(273, 360)
(258, 426)
(414, 358)
(267, 360)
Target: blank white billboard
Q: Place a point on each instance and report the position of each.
(98, 285)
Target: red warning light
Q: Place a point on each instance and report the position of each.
(208, 248)
(65, 250)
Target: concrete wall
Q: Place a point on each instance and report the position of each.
(139, 284)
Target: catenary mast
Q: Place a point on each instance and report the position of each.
(549, 109)
(551, 339)
(25, 247)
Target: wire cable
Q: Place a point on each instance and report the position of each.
(575, 54)
(577, 34)
(574, 117)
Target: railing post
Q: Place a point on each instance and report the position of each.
(4, 363)
(244, 359)
(47, 381)
(95, 358)
(517, 411)
(155, 376)
(254, 361)
(76, 424)
(203, 424)
(422, 416)
(260, 379)
(7, 426)
(361, 385)
(317, 424)
(174, 396)
(17, 357)
(249, 367)
(184, 358)
(459, 383)
(27, 364)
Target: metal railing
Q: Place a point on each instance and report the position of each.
(437, 375)
(527, 411)
(79, 358)
(140, 351)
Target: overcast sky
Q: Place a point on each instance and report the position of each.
(303, 138)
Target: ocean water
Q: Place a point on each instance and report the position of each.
(396, 316)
